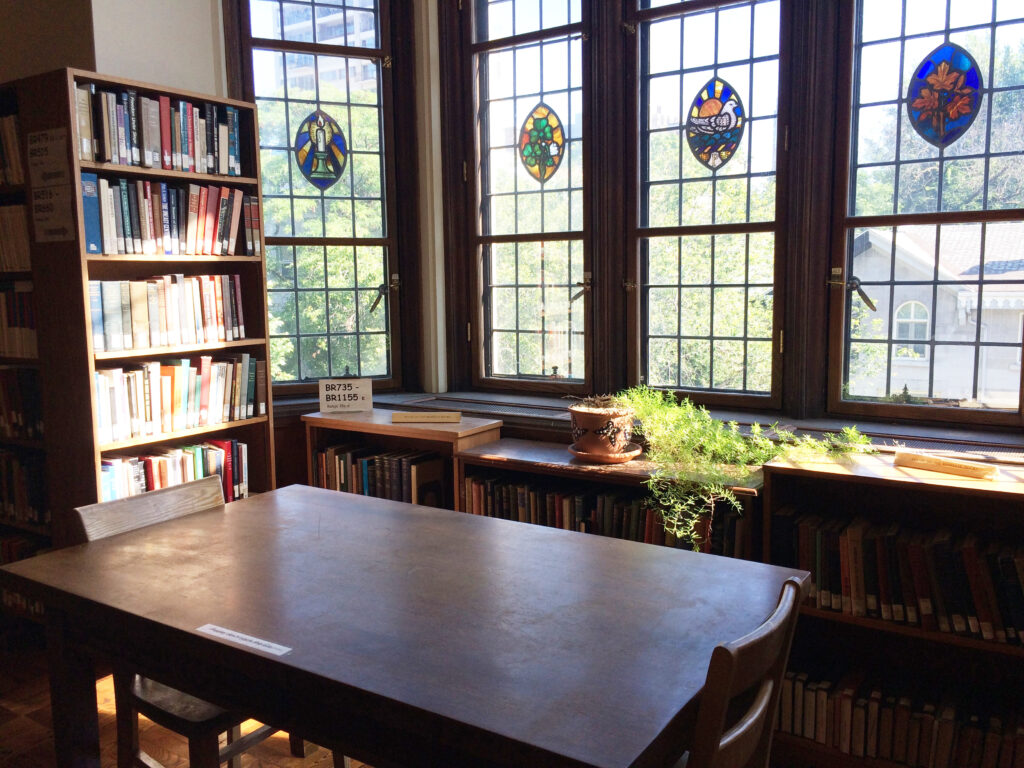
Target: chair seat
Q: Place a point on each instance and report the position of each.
(178, 711)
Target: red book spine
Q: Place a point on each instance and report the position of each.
(201, 220)
(191, 137)
(210, 230)
(218, 305)
(922, 587)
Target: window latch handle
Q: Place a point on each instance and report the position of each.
(853, 284)
(584, 287)
(382, 289)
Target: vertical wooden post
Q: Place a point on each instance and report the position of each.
(76, 735)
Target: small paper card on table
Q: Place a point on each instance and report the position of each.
(345, 395)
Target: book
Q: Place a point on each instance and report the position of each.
(209, 226)
(113, 337)
(83, 115)
(91, 213)
(96, 315)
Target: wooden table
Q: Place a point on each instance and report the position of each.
(415, 636)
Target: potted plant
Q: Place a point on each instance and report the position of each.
(602, 430)
(698, 458)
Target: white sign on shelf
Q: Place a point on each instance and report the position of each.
(48, 158)
(345, 395)
(51, 214)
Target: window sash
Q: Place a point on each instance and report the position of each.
(387, 241)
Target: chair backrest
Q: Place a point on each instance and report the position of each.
(106, 518)
(745, 674)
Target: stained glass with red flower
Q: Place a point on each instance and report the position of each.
(944, 95)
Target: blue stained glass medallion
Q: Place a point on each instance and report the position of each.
(320, 149)
(715, 124)
(944, 96)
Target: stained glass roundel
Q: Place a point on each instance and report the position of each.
(715, 124)
(944, 95)
(320, 149)
(541, 141)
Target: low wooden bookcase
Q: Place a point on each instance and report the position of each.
(375, 428)
(959, 690)
(532, 462)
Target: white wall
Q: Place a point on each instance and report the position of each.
(177, 43)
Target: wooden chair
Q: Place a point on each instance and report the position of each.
(741, 692)
(200, 722)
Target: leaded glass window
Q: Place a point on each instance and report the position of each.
(936, 190)
(324, 168)
(530, 230)
(709, 115)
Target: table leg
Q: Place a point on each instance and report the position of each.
(76, 734)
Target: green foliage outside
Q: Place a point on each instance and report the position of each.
(320, 298)
(699, 457)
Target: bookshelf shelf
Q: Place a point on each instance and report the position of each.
(21, 442)
(943, 638)
(178, 350)
(77, 459)
(798, 752)
(165, 259)
(181, 434)
(20, 525)
(160, 174)
(540, 466)
(15, 275)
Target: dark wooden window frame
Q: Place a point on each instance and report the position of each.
(842, 220)
(398, 93)
(816, 73)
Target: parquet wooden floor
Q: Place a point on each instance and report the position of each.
(26, 736)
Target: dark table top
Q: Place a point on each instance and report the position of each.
(579, 648)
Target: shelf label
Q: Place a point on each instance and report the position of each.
(345, 395)
(48, 158)
(51, 214)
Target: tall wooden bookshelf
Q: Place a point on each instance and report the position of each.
(62, 268)
(950, 681)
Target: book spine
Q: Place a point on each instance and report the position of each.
(96, 315)
(167, 160)
(132, 103)
(91, 213)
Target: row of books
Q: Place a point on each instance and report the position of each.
(21, 415)
(22, 489)
(16, 546)
(17, 603)
(165, 310)
(162, 397)
(932, 579)
(137, 216)
(11, 169)
(621, 514)
(858, 716)
(414, 476)
(14, 243)
(17, 319)
(123, 476)
(128, 128)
